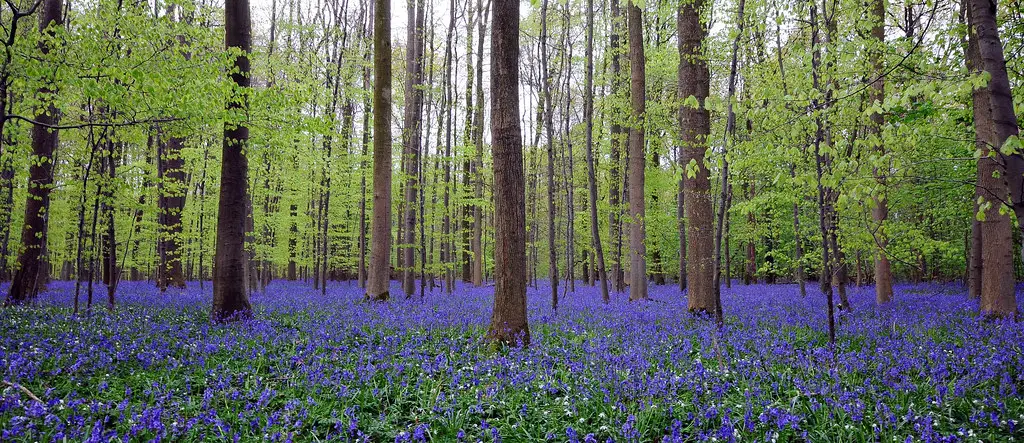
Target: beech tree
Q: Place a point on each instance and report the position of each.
(230, 296)
(31, 273)
(637, 160)
(508, 321)
(380, 247)
(694, 127)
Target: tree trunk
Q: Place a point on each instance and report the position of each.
(588, 118)
(695, 126)
(637, 200)
(411, 140)
(615, 214)
(820, 164)
(380, 251)
(798, 248)
(26, 282)
(880, 212)
(110, 273)
(367, 110)
(478, 142)
(997, 183)
(508, 321)
(728, 137)
(549, 136)
(230, 299)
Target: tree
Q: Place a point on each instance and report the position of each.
(728, 138)
(411, 138)
(230, 298)
(695, 126)
(508, 321)
(26, 282)
(997, 176)
(614, 179)
(637, 200)
(549, 135)
(588, 118)
(876, 94)
(171, 170)
(380, 227)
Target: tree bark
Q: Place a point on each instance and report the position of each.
(615, 214)
(695, 126)
(637, 200)
(549, 136)
(26, 282)
(478, 142)
(820, 164)
(171, 204)
(728, 137)
(998, 176)
(508, 321)
(230, 299)
(588, 118)
(411, 142)
(876, 94)
(380, 250)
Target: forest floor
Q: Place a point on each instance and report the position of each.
(314, 368)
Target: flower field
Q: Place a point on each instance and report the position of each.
(334, 368)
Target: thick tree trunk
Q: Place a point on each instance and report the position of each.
(998, 176)
(695, 126)
(171, 204)
(26, 282)
(508, 321)
(880, 212)
(588, 118)
(637, 200)
(230, 299)
(380, 250)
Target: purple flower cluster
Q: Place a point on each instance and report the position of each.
(311, 367)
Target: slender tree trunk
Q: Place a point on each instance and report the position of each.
(549, 136)
(508, 321)
(478, 143)
(110, 273)
(728, 137)
(798, 248)
(617, 134)
(230, 299)
(447, 255)
(588, 118)
(202, 218)
(362, 175)
(26, 282)
(876, 94)
(411, 141)
(681, 224)
(6, 209)
(820, 162)
(695, 126)
(380, 253)
(997, 176)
